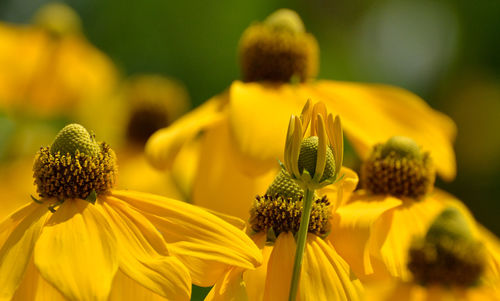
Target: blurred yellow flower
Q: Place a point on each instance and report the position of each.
(84, 240)
(145, 103)
(242, 129)
(450, 262)
(275, 219)
(374, 229)
(48, 68)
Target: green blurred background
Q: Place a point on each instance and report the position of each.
(448, 52)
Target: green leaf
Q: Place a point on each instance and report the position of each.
(92, 197)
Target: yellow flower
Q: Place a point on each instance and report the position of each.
(84, 240)
(275, 219)
(242, 128)
(397, 202)
(449, 263)
(49, 67)
(146, 103)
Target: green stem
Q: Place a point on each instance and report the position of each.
(301, 243)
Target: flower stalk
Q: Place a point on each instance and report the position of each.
(301, 243)
(312, 162)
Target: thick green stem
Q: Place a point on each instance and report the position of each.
(301, 243)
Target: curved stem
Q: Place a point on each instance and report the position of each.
(301, 243)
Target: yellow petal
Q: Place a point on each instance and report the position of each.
(255, 280)
(20, 231)
(259, 115)
(165, 144)
(125, 288)
(142, 252)
(220, 182)
(373, 113)
(352, 228)
(280, 268)
(34, 287)
(348, 183)
(408, 221)
(325, 275)
(230, 287)
(204, 243)
(76, 251)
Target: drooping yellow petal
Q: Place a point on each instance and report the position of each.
(370, 114)
(325, 275)
(204, 243)
(348, 183)
(76, 251)
(164, 145)
(409, 221)
(352, 227)
(220, 183)
(230, 287)
(34, 287)
(258, 117)
(279, 268)
(19, 233)
(126, 288)
(373, 113)
(255, 280)
(143, 255)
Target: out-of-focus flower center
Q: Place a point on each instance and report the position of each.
(74, 166)
(278, 49)
(448, 255)
(398, 168)
(58, 19)
(280, 209)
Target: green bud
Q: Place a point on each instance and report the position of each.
(450, 224)
(285, 20)
(308, 156)
(403, 147)
(75, 137)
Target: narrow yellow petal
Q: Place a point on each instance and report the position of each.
(76, 251)
(221, 184)
(306, 115)
(325, 275)
(230, 287)
(164, 145)
(348, 184)
(142, 252)
(338, 142)
(126, 288)
(374, 113)
(352, 227)
(255, 280)
(318, 109)
(279, 268)
(322, 145)
(34, 287)
(297, 140)
(204, 243)
(21, 231)
(288, 143)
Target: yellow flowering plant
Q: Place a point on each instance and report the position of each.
(239, 132)
(397, 202)
(81, 239)
(450, 262)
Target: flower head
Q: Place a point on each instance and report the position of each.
(85, 240)
(278, 49)
(314, 161)
(399, 168)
